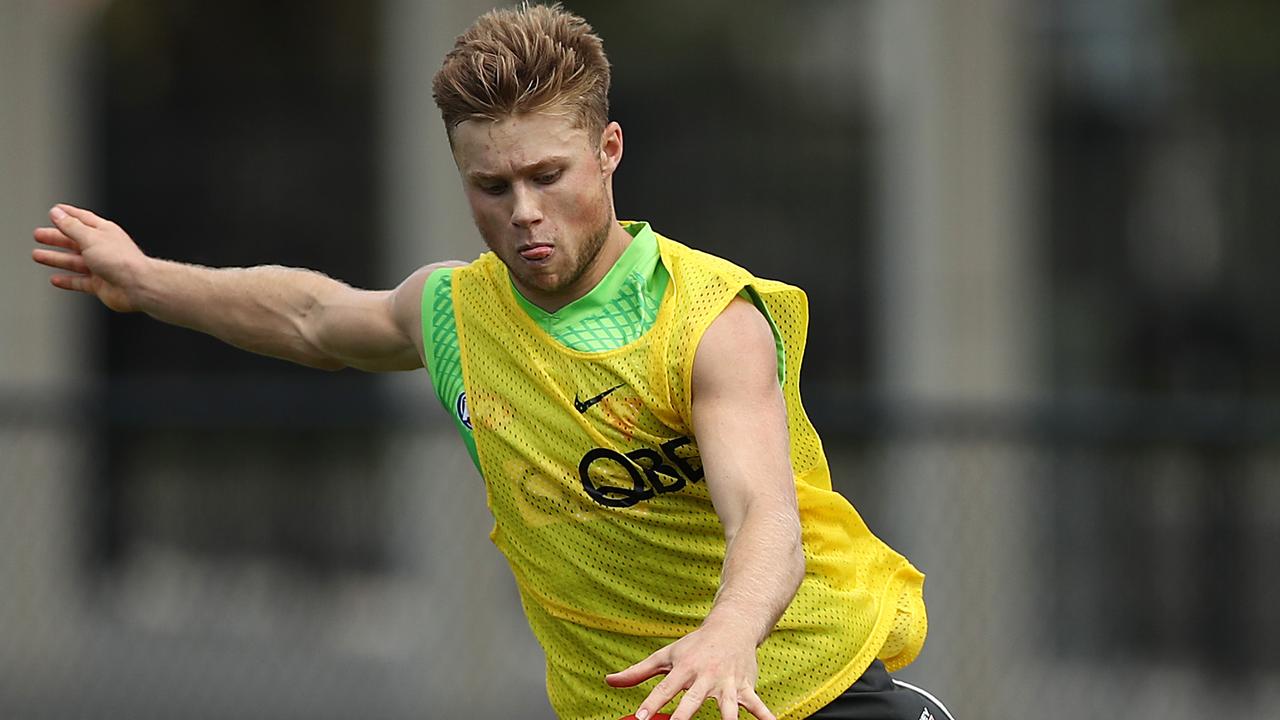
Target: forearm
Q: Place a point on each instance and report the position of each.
(267, 310)
(763, 567)
(296, 315)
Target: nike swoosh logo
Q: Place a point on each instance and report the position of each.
(582, 406)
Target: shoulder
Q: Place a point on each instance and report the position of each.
(406, 299)
(682, 260)
(739, 321)
(737, 347)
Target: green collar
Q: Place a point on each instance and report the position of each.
(640, 257)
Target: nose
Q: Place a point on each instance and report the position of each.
(526, 211)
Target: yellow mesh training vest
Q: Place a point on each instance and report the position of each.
(600, 506)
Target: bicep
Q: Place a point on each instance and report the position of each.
(376, 330)
(740, 417)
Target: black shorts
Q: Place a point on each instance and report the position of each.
(878, 696)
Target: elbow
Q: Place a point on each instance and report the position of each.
(307, 356)
(797, 562)
(326, 363)
(310, 351)
(306, 350)
(790, 540)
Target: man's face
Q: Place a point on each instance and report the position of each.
(539, 190)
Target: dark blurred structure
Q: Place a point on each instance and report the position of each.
(236, 134)
(1037, 240)
(1162, 147)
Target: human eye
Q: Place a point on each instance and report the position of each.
(548, 177)
(492, 188)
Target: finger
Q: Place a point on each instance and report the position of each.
(78, 283)
(85, 216)
(70, 225)
(728, 707)
(55, 237)
(689, 704)
(70, 262)
(661, 694)
(656, 664)
(751, 701)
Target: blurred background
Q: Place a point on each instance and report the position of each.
(1039, 239)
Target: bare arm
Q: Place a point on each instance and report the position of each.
(297, 315)
(740, 421)
(740, 418)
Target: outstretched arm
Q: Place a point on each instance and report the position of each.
(740, 421)
(297, 315)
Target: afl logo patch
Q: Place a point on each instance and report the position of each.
(464, 414)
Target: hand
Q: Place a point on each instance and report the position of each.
(98, 257)
(710, 662)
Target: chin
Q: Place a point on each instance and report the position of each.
(543, 283)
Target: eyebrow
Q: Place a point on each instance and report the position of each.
(530, 169)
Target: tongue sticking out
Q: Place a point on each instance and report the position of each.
(542, 252)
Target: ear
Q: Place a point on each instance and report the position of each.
(610, 148)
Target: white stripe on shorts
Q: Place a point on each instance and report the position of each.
(926, 694)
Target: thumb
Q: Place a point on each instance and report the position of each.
(656, 664)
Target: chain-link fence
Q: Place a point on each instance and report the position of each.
(984, 199)
(157, 566)
(1081, 564)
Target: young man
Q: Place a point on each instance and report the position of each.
(632, 404)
